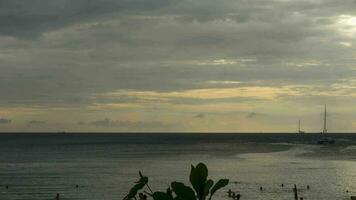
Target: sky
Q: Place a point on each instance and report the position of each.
(177, 65)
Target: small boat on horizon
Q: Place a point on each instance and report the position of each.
(325, 140)
(300, 131)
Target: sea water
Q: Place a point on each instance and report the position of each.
(105, 166)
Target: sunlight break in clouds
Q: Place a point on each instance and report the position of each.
(347, 25)
(266, 93)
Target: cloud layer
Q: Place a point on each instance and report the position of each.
(167, 59)
(5, 121)
(130, 125)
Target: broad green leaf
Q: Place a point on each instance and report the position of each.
(143, 179)
(198, 176)
(207, 187)
(220, 184)
(183, 192)
(134, 190)
(169, 192)
(161, 196)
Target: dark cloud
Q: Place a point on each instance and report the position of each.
(81, 123)
(146, 125)
(5, 121)
(36, 122)
(32, 17)
(200, 116)
(252, 115)
(104, 122)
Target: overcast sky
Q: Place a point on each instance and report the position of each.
(177, 65)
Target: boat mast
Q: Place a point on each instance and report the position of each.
(298, 126)
(325, 130)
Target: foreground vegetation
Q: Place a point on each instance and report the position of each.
(203, 188)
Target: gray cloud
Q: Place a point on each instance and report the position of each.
(252, 115)
(62, 53)
(36, 122)
(81, 123)
(104, 122)
(5, 121)
(146, 125)
(29, 18)
(200, 116)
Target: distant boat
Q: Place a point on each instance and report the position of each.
(300, 131)
(325, 140)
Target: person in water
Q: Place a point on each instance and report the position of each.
(238, 196)
(229, 193)
(57, 196)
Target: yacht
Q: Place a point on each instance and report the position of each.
(300, 131)
(324, 139)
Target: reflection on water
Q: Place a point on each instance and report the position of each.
(105, 166)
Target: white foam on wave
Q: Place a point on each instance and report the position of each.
(295, 151)
(351, 148)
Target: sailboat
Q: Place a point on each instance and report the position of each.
(300, 131)
(325, 140)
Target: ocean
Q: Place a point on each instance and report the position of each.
(104, 166)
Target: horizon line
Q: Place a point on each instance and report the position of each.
(162, 132)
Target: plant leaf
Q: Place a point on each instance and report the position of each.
(169, 192)
(198, 176)
(207, 187)
(183, 192)
(220, 184)
(143, 179)
(161, 196)
(134, 190)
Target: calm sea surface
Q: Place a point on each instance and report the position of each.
(37, 166)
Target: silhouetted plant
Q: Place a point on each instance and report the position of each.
(203, 187)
